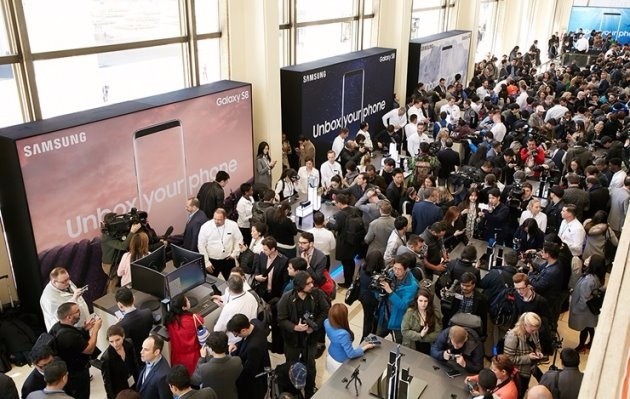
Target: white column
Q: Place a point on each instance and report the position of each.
(466, 16)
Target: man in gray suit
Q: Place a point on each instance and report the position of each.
(381, 228)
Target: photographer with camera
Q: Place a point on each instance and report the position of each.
(396, 289)
(113, 245)
(464, 298)
(496, 217)
(532, 155)
(301, 314)
(548, 281)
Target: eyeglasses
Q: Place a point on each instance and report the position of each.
(303, 242)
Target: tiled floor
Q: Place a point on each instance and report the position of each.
(570, 337)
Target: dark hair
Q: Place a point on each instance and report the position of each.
(431, 319)
(374, 262)
(221, 176)
(487, 380)
(115, 329)
(64, 310)
(128, 394)
(178, 377)
(261, 228)
(245, 187)
(176, 310)
(468, 277)
(55, 371)
(298, 263)
(469, 253)
(318, 218)
(600, 217)
(307, 236)
(300, 279)
(261, 149)
(158, 342)
(40, 352)
(532, 226)
(495, 192)
(218, 342)
(400, 222)
(237, 323)
(597, 267)
(405, 261)
(569, 357)
(124, 296)
(281, 212)
(342, 199)
(552, 249)
(270, 242)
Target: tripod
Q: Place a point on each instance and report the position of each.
(354, 377)
(272, 385)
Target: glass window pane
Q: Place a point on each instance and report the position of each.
(420, 4)
(209, 51)
(5, 48)
(425, 23)
(310, 10)
(321, 41)
(367, 33)
(9, 98)
(207, 16)
(283, 12)
(65, 24)
(283, 48)
(485, 32)
(368, 7)
(91, 81)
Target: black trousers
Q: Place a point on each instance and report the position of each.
(305, 355)
(78, 385)
(348, 270)
(223, 266)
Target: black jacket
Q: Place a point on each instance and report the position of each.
(191, 231)
(448, 160)
(480, 308)
(116, 371)
(137, 325)
(154, 385)
(343, 249)
(280, 274)
(211, 197)
(288, 316)
(255, 357)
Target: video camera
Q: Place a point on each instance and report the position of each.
(466, 176)
(447, 296)
(375, 283)
(119, 225)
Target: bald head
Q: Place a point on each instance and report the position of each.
(539, 392)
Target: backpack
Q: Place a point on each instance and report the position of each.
(229, 204)
(259, 214)
(263, 312)
(597, 300)
(503, 310)
(354, 231)
(18, 339)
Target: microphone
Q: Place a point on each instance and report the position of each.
(452, 287)
(168, 232)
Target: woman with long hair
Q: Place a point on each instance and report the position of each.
(420, 325)
(341, 336)
(182, 331)
(455, 228)
(283, 229)
(264, 164)
(308, 176)
(119, 362)
(529, 236)
(469, 208)
(138, 248)
(286, 187)
(597, 233)
(522, 346)
(580, 316)
(507, 377)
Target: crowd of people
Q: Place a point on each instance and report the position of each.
(548, 149)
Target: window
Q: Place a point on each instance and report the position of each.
(99, 52)
(486, 28)
(311, 30)
(429, 17)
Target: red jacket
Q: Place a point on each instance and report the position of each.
(184, 344)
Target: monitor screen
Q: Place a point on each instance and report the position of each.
(181, 256)
(156, 260)
(186, 277)
(148, 280)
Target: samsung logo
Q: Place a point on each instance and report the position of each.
(385, 58)
(313, 76)
(54, 144)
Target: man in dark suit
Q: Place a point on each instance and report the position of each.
(252, 350)
(271, 262)
(152, 383)
(315, 259)
(448, 160)
(137, 323)
(211, 194)
(195, 220)
(7, 386)
(179, 383)
(425, 213)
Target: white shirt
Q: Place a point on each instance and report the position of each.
(541, 219)
(452, 113)
(617, 179)
(572, 233)
(413, 110)
(410, 129)
(244, 209)
(556, 112)
(521, 100)
(305, 175)
(52, 298)
(323, 239)
(392, 118)
(425, 138)
(368, 139)
(337, 146)
(498, 130)
(328, 170)
(219, 242)
(413, 144)
(582, 44)
(244, 303)
(482, 92)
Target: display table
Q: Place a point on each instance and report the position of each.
(372, 365)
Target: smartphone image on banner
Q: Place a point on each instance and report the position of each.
(161, 176)
(352, 99)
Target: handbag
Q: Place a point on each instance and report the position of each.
(261, 287)
(353, 291)
(202, 331)
(246, 261)
(597, 300)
